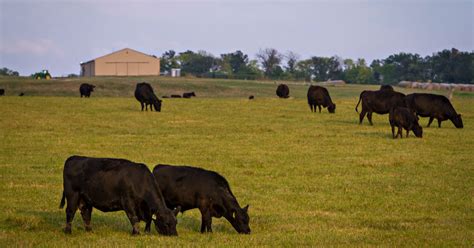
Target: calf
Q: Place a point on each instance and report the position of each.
(2, 92)
(403, 118)
(189, 94)
(318, 96)
(251, 97)
(111, 185)
(191, 187)
(379, 101)
(283, 91)
(145, 95)
(433, 106)
(86, 89)
(175, 96)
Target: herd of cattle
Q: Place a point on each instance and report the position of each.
(403, 109)
(110, 184)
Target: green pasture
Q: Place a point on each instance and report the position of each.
(311, 179)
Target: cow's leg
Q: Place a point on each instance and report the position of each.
(393, 131)
(429, 122)
(311, 107)
(369, 117)
(148, 218)
(319, 107)
(439, 122)
(86, 212)
(71, 208)
(408, 130)
(142, 105)
(132, 216)
(206, 220)
(362, 115)
(400, 132)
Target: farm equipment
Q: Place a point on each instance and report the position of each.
(44, 74)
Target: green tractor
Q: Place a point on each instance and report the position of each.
(44, 74)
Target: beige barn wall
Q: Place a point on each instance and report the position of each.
(127, 63)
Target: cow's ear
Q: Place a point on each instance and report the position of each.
(176, 211)
(246, 208)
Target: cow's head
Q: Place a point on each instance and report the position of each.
(457, 121)
(417, 130)
(91, 87)
(157, 105)
(192, 94)
(332, 108)
(165, 223)
(241, 220)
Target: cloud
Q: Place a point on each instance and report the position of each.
(38, 47)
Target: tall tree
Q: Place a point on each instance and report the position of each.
(270, 59)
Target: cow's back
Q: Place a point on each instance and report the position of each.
(430, 104)
(184, 184)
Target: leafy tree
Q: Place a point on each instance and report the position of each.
(7, 72)
(168, 61)
(196, 63)
(270, 59)
(324, 68)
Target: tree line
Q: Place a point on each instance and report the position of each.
(447, 66)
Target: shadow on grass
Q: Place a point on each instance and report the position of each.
(56, 221)
(194, 224)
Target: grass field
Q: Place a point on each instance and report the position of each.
(310, 179)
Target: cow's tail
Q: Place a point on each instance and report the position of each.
(360, 98)
(63, 201)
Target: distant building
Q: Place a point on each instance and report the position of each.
(175, 72)
(125, 62)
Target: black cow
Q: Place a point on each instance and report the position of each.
(251, 97)
(112, 185)
(386, 87)
(191, 187)
(283, 91)
(404, 118)
(175, 96)
(145, 95)
(2, 92)
(188, 94)
(379, 101)
(21, 94)
(318, 96)
(433, 106)
(165, 97)
(86, 89)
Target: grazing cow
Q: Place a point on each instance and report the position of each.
(86, 89)
(2, 92)
(165, 97)
(175, 96)
(21, 94)
(379, 101)
(283, 91)
(433, 106)
(318, 96)
(191, 187)
(386, 87)
(109, 185)
(189, 94)
(404, 118)
(145, 95)
(251, 97)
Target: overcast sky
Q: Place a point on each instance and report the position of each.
(58, 35)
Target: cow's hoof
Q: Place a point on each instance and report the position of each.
(88, 229)
(67, 230)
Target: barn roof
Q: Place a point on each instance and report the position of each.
(118, 52)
